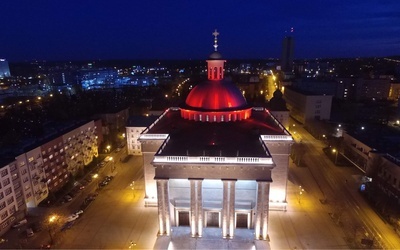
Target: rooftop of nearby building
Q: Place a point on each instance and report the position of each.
(141, 120)
(228, 139)
(53, 131)
(303, 92)
(384, 139)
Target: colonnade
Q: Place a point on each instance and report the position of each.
(228, 208)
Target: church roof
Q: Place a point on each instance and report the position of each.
(234, 139)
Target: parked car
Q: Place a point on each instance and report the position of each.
(88, 179)
(91, 197)
(36, 227)
(20, 223)
(29, 232)
(103, 183)
(67, 198)
(72, 217)
(67, 225)
(109, 178)
(45, 246)
(79, 212)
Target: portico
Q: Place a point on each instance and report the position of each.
(228, 191)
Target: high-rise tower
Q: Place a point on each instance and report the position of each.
(287, 52)
(4, 69)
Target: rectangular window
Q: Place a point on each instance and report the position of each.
(10, 200)
(6, 182)
(8, 191)
(4, 215)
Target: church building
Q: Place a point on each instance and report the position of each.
(215, 161)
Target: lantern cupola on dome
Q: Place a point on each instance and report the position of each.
(215, 100)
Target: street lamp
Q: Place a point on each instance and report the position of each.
(108, 148)
(132, 185)
(95, 176)
(112, 164)
(52, 220)
(336, 154)
(301, 190)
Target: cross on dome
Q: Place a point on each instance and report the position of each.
(215, 34)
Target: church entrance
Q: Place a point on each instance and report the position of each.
(242, 220)
(213, 219)
(183, 218)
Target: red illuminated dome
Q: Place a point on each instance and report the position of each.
(215, 100)
(216, 95)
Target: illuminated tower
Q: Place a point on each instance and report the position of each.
(4, 69)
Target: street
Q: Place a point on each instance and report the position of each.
(338, 187)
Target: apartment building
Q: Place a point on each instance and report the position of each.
(44, 167)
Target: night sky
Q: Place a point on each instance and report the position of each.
(181, 29)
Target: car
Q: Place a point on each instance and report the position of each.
(72, 217)
(79, 212)
(36, 227)
(91, 197)
(103, 183)
(88, 179)
(29, 232)
(45, 246)
(109, 178)
(67, 225)
(67, 198)
(76, 189)
(20, 223)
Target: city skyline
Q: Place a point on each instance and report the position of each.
(51, 31)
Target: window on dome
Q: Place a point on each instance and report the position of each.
(215, 73)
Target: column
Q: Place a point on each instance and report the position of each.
(225, 209)
(265, 210)
(163, 207)
(167, 217)
(262, 211)
(200, 207)
(228, 208)
(160, 199)
(193, 204)
(232, 208)
(257, 220)
(196, 208)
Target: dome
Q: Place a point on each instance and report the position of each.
(215, 56)
(216, 95)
